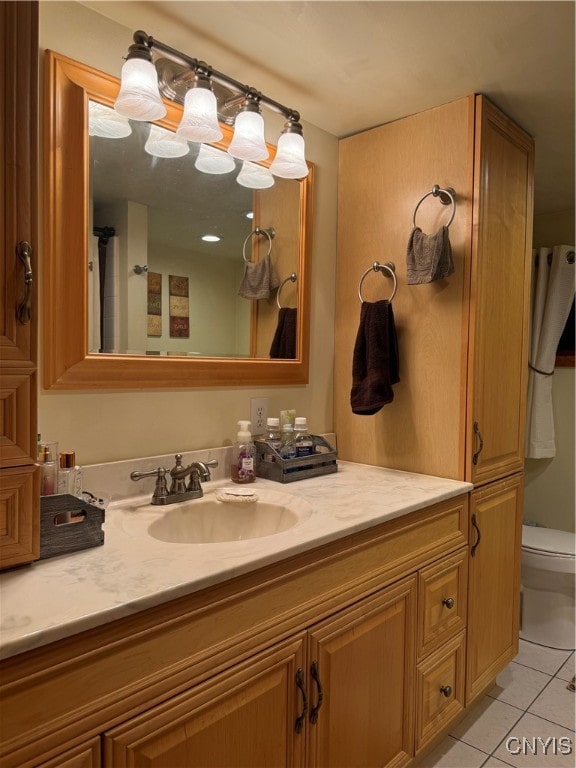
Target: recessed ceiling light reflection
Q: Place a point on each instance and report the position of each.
(249, 214)
(211, 238)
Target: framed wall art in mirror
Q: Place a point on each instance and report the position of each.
(123, 224)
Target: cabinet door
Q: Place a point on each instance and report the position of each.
(501, 259)
(364, 663)
(19, 512)
(493, 581)
(242, 718)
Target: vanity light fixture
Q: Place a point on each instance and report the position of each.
(154, 70)
(200, 119)
(163, 143)
(213, 160)
(254, 176)
(248, 142)
(289, 162)
(139, 97)
(106, 123)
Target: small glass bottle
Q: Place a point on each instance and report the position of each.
(303, 440)
(69, 475)
(288, 447)
(243, 454)
(273, 436)
(48, 468)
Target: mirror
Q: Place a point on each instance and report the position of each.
(224, 339)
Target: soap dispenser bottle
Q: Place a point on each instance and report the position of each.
(243, 455)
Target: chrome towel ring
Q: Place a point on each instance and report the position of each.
(377, 267)
(291, 278)
(447, 197)
(270, 233)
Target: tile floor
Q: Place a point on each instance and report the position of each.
(530, 705)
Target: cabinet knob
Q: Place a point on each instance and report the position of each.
(446, 690)
(448, 602)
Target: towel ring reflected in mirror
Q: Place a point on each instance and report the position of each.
(389, 267)
(270, 233)
(291, 278)
(447, 197)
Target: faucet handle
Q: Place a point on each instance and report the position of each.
(161, 489)
(178, 474)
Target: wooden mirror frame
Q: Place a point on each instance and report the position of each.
(67, 363)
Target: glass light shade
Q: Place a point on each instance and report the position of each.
(254, 176)
(105, 122)
(290, 162)
(139, 97)
(248, 141)
(200, 119)
(212, 160)
(163, 143)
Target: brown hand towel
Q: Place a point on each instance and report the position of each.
(428, 257)
(375, 363)
(284, 341)
(259, 280)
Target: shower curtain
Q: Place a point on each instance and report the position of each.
(552, 296)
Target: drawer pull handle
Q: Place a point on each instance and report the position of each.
(446, 690)
(448, 602)
(316, 677)
(299, 724)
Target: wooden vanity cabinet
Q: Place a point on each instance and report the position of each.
(459, 408)
(499, 298)
(241, 718)
(223, 677)
(19, 482)
(362, 661)
(354, 708)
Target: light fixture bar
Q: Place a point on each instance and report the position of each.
(142, 39)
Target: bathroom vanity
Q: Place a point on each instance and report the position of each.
(337, 640)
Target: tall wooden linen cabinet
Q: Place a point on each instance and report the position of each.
(19, 483)
(459, 408)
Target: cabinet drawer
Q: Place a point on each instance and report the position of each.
(442, 601)
(439, 690)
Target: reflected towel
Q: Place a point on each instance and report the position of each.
(375, 362)
(428, 257)
(259, 280)
(284, 341)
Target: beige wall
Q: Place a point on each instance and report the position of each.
(106, 426)
(549, 496)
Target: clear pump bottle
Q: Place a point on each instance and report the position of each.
(243, 454)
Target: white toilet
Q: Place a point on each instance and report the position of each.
(548, 573)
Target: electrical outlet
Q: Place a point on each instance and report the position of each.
(258, 414)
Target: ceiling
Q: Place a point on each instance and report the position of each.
(349, 66)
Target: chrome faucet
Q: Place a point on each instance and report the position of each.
(198, 472)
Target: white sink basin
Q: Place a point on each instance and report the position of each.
(210, 521)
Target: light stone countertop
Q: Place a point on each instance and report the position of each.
(55, 598)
